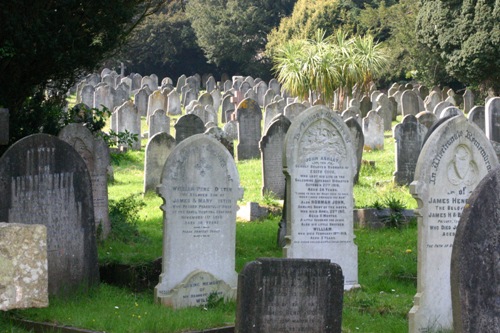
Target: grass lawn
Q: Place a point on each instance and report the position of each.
(387, 260)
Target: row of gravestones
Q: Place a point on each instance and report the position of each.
(45, 177)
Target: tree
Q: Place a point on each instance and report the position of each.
(48, 44)
(326, 64)
(233, 33)
(466, 35)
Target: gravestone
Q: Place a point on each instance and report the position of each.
(88, 92)
(4, 126)
(231, 130)
(219, 135)
(181, 81)
(95, 153)
(451, 111)
(268, 97)
(174, 103)
(158, 122)
(249, 117)
(319, 165)
(290, 296)
(492, 116)
(358, 143)
(128, 119)
(385, 110)
(408, 136)
(455, 157)
(432, 100)
(409, 103)
(477, 116)
(275, 86)
(150, 82)
(365, 106)
(157, 150)
(210, 84)
(217, 98)
(141, 99)
(43, 180)
(188, 125)
(292, 110)
(271, 147)
(103, 97)
(206, 99)
(475, 261)
(136, 81)
(156, 101)
(23, 261)
(119, 97)
(191, 95)
(439, 108)
(373, 130)
(260, 91)
(426, 118)
(468, 97)
(200, 189)
(110, 80)
(227, 107)
(272, 110)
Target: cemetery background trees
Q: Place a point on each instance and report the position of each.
(466, 35)
(49, 44)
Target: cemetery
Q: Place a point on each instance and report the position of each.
(354, 212)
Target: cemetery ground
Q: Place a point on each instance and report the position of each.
(387, 257)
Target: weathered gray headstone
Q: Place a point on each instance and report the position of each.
(451, 111)
(157, 150)
(319, 165)
(432, 100)
(468, 97)
(227, 107)
(410, 103)
(290, 296)
(358, 143)
(249, 117)
(200, 188)
(43, 180)
(136, 81)
(475, 261)
(88, 92)
(477, 116)
(439, 108)
(275, 86)
(129, 119)
(365, 106)
(150, 82)
(292, 110)
(373, 130)
(453, 160)
(156, 101)
(141, 99)
(272, 110)
(95, 153)
(217, 98)
(158, 122)
(492, 116)
(103, 97)
(271, 147)
(206, 99)
(260, 91)
(426, 118)
(408, 136)
(23, 260)
(231, 130)
(188, 125)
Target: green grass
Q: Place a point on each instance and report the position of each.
(387, 260)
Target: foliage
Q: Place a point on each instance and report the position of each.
(466, 35)
(124, 216)
(233, 33)
(49, 44)
(325, 64)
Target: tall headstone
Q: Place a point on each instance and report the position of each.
(365, 106)
(96, 155)
(290, 295)
(275, 86)
(468, 97)
(157, 150)
(358, 143)
(409, 137)
(453, 160)
(271, 147)
(141, 99)
(88, 92)
(200, 187)
(156, 101)
(43, 180)
(188, 125)
(23, 258)
(432, 100)
(373, 130)
(174, 103)
(492, 116)
(410, 103)
(128, 119)
(227, 108)
(249, 117)
(103, 98)
(475, 261)
(319, 165)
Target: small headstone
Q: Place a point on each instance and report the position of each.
(219, 135)
(451, 111)
(373, 130)
(292, 110)
(23, 261)
(409, 137)
(475, 261)
(432, 100)
(271, 147)
(200, 188)
(206, 99)
(43, 180)
(159, 122)
(290, 295)
(319, 165)
(231, 130)
(272, 110)
(188, 125)
(477, 116)
(249, 117)
(156, 101)
(453, 160)
(492, 116)
(439, 108)
(426, 118)
(141, 99)
(157, 150)
(410, 103)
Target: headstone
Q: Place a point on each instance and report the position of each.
(23, 258)
(119, 97)
(451, 111)
(373, 130)
(188, 125)
(228, 84)
(271, 147)
(136, 81)
(272, 110)
(275, 86)
(227, 107)
(217, 98)
(141, 99)
(96, 155)
(455, 157)
(174, 103)
(181, 81)
(477, 116)
(43, 180)
(373, 98)
(319, 165)
(200, 188)
(385, 110)
(439, 108)
(409, 103)
(231, 130)
(426, 118)
(475, 261)
(158, 122)
(128, 119)
(88, 92)
(157, 150)
(432, 100)
(424, 91)
(4, 126)
(150, 82)
(451, 97)
(358, 143)
(468, 101)
(250, 94)
(365, 106)
(292, 110)
(219, 135)
(103, 98)
(408, 136)
(206, 99)
(260, 91)
(492, 116)
(191, 95)
(210, 84)
(156, 101)
(290, 295)
(110, 80)
(249, 116)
